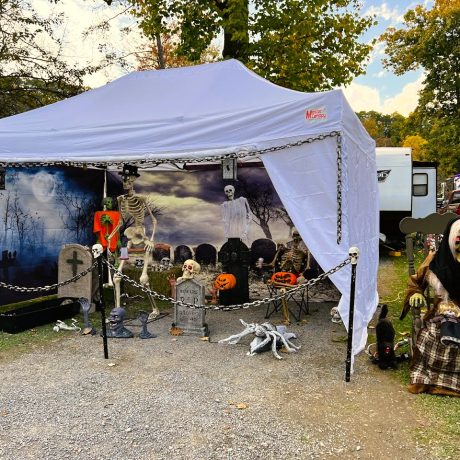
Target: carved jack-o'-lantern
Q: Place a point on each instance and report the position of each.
(225, 281)
(284, 277)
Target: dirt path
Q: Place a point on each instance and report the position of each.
(176, 398)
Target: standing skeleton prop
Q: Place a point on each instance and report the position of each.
(133, 205)
(266, 336)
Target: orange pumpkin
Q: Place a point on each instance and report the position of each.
(284, 277)
(225, 281)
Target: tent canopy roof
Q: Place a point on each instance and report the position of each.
(168, 114)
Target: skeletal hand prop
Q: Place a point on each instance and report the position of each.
(417, 300)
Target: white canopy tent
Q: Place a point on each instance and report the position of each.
(327, 182)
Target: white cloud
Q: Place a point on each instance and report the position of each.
(405, 101)
(386, 13)
(362, 97)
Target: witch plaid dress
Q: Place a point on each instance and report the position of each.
(433, 362)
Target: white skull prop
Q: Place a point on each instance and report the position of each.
(190, 269)
(97, 250)
(229, 191)
(165, 261)
(353, 252)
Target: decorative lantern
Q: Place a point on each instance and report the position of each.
(225, 281)
(284, 278)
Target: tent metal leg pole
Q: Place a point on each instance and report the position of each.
(102, 305)
(353, 252)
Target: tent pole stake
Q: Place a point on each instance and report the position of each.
(353, 252)
(101, 305)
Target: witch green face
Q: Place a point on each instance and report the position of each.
(108, 203)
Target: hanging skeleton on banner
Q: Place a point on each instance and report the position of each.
(135, 206)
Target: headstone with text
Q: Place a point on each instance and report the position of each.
(190, 320)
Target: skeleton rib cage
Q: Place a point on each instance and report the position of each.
(133, 206)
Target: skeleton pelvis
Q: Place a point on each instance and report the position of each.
(135, 234)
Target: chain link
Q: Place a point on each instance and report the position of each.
(244, 153)
(339, 188)
(48, 288)
(255, 303)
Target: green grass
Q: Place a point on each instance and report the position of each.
(442, 413)
(12, 345)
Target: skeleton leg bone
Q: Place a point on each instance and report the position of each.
(290, 347)
(234, 339)
(274, 350)
(255, 347)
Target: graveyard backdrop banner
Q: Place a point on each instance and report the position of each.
(42, 209)
(187, 204)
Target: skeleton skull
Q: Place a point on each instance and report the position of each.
(354, 254)
(97, 250)
(190, 269)
(229, 191)
(165, 261)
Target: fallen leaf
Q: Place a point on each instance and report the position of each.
(176, 331)
(241, 406)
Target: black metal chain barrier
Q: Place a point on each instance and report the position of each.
(48, 288)
(242, 153)
(339, 188)
(265, 300)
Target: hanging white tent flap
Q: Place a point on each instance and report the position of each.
(203, 112)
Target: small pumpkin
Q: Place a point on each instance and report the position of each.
(284, 277)
(225, 281)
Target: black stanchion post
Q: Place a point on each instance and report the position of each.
(353, 253)
(102, 304)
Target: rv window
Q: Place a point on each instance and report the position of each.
(420, 184)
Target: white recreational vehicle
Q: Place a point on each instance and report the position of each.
(406, 188)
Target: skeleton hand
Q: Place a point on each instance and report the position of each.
(417, 300)
(149, 245)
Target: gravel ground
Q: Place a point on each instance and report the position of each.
(184, 398)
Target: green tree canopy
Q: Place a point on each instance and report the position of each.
(430, 39)
(32, 70)
(386, 130)
(302, 44)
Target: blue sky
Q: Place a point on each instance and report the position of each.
(378, 89)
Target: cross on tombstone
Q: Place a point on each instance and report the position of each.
(75, 262)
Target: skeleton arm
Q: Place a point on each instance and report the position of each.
(149, 242)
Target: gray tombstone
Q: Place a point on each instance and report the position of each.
(74, 259)
(190, 320)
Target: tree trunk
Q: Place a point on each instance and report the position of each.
(160, 51)
(266, 229)
(235, 21)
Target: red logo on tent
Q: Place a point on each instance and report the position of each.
(316, 114)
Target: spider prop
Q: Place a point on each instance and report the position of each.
(266, 336)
